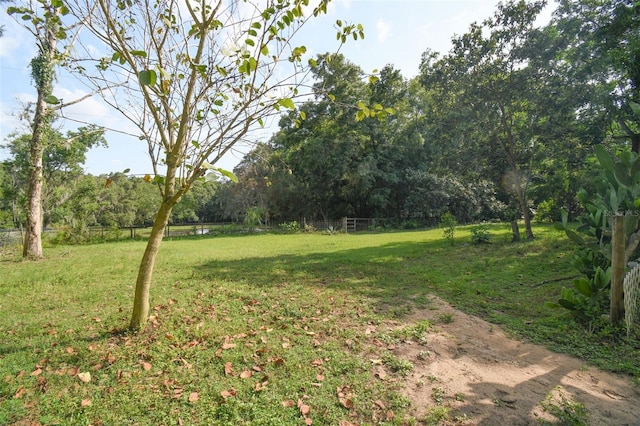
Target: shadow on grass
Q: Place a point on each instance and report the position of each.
(399, 276)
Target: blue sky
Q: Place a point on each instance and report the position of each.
(396, 32)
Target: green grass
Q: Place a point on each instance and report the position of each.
(290, 311)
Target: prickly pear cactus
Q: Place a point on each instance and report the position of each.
(632, 298)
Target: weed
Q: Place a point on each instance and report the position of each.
(397, 365)
(436, 415)
(438, 395)
(446, 318)
(568, 412)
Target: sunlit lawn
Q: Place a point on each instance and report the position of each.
(258, 329)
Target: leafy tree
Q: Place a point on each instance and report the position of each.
(601, 42)
(194, 78)
(485, 77)
(63, 157)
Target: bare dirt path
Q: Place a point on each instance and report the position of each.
(486, 378)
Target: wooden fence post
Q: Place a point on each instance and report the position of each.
(618, 245)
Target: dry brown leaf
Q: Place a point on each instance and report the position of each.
(304, 409)
(37, 372)
(308, 421)
(347, 403)
(246, 374)
(85, 402)
(390, 415)
(19, 392)
(227, 343)
(228, 368)
(285, 345)
(193, 396)
(228, 393)
(84, 377)
(146, 366)
(288, 403)
(73, 371)
(317, 362)
(319, 377)
(345, 423)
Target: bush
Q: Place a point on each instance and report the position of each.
(448, 222)
(290, 227)
(480, 234)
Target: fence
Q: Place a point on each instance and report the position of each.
(345, 225)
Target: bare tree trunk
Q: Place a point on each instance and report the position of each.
(524, 205)
(515, 231)
(32, 247)
(145, 271)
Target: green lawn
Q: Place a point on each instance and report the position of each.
(261, 329)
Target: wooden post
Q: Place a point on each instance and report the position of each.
(618, 261)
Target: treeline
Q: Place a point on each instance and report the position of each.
(500, 127)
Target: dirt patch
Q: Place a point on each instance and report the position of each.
(485, 378)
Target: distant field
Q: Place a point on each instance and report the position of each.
(259, 329)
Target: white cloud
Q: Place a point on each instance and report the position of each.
(383, 29)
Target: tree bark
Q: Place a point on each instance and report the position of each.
(32, 247)
(140, 313)
(515, 231)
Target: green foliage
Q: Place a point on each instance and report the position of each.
(448, 223)
(588, 299)
(292, 227)
(567, 412)
(480, 234)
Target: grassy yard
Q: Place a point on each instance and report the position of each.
(261, 329)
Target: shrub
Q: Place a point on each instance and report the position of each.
(480, 234)
(448, 222)
(290, 227)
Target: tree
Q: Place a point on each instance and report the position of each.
(195, 77)
(486, 77)
(62, 160)
(601, 42)
(43, 18)
(47, 29)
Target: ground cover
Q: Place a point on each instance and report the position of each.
(274, 329)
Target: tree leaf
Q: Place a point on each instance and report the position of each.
(287, 103)
(148, 77)
(52, 100)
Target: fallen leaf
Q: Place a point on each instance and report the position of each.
(308, 421)
(73, 371)
(227, 343)
(345, 423)
(390, 415)
(19, 392)
(317, 362)
(258, 387)
(347, 403)
(246, 374)
(84, 377)
(319, 377)
(228, 393)
(304, 408)
(228, 368)
(37, 372)
(146, 366)
(193, 397)
(285, 345)
(85, 402)
(288, 403)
